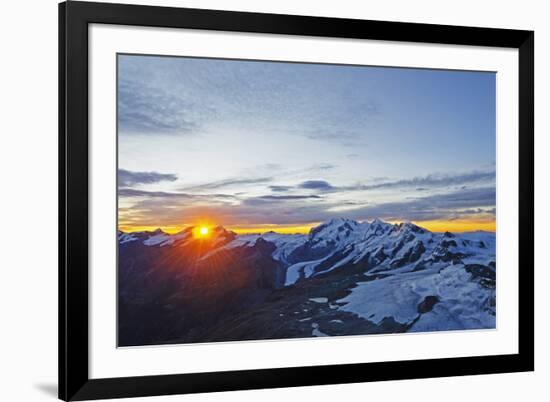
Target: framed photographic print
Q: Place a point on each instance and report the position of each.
(257, 200)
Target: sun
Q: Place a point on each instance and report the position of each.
(201, 232)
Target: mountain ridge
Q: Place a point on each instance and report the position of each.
(422, 280)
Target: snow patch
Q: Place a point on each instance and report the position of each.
(462, 303)
(319, 299)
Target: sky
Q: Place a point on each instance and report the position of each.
(258, 145)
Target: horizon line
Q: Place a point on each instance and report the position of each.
(436, 226)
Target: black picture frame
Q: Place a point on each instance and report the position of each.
(74, 380)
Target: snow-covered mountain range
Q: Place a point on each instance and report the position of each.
(344, 277)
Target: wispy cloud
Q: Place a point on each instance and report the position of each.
(287, 197)
(228, 183)
(278, 189)
(321, 185)
(278, 199)
(322, 166)
(127, 178)
(144, 109)
(424, 183)
(338, 136)
(432, 180)
(131, 192)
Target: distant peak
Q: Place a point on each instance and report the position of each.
(336, 228)
(378, 226)
(378, 221)
(188, 229)
(336, 222)
(339, 221)
(221, 229)
(410, 227)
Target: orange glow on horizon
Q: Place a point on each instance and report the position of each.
(204, 230)
(458, 226)
(166, 229)
(302, 229)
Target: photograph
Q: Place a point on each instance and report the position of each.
(271, 200)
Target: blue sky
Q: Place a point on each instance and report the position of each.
(251, 144)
